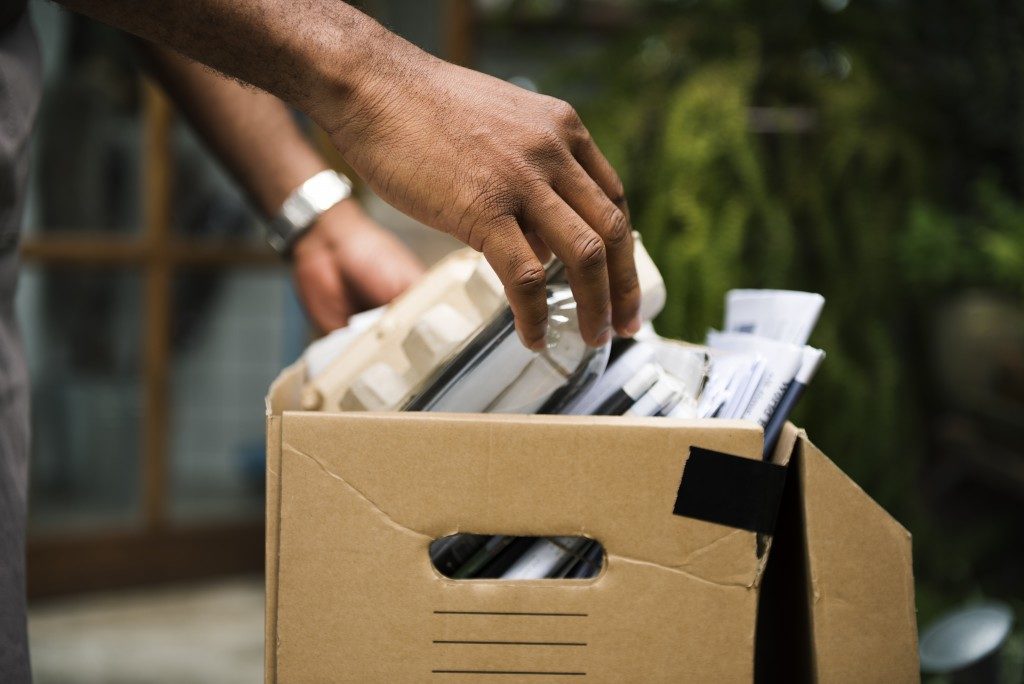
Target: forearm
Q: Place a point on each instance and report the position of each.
(252, 133)
(313, 54)
(345, 262)
(509, 172)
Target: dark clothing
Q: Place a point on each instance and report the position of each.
(20, 84)
(11, 12)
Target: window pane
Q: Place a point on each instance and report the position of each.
(87, 166)
(82, 330)
(421, 23)
(231, 334)
(206, 203)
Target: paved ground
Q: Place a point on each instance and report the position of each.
(202, 633)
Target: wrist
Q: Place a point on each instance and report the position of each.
(281, 181)
(357, 72)
(331, 230)
(304, 207)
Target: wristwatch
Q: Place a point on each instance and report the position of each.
(304, 206)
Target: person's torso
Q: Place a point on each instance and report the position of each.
(11, 11)
(20, 89)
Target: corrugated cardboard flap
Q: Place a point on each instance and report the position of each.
(861, 589)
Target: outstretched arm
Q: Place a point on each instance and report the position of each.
(509, 172)
(345, 262)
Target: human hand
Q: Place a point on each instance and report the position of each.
(511, 173)
(503, 169)
(347, 263)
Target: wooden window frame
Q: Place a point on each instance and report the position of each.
(151, 549)
(154, 549)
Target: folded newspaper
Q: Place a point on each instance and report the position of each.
(449, 344)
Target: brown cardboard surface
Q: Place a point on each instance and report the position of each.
(861, 589)
(787, 444)
(353, 501)
(284, 392)
(363, 495)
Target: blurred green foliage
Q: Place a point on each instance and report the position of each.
(871, 152)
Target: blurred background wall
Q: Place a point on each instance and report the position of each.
(871, 150)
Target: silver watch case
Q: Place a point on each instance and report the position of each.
(304, 206)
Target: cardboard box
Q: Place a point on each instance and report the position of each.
(801, 578)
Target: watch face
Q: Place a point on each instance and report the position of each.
(301, 210)
(324, 190)
(304, 206)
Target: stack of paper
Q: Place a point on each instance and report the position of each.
(770, 364)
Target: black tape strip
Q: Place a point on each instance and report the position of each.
(730, 490)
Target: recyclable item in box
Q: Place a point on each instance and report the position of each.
(449, 344)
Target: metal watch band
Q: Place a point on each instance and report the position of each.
(304, 206)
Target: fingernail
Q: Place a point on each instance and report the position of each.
(604, 338)
(633, 327)
(537, 345)
(522, 338)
